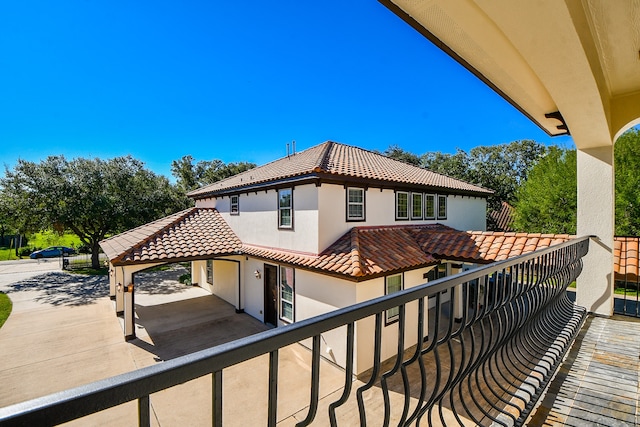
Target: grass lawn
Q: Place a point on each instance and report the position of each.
(42, 240)
(50, 238)
(628, 292)
(5, 308)
(7, 254)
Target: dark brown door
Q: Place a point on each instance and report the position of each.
(270, 294)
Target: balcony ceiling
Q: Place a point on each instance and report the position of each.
(577, 57)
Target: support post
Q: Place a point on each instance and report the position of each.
(596, 217)
(129, 315)
(112, 282)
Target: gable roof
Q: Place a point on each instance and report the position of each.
(187, 235)
(332, 160)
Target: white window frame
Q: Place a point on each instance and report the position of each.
(393, 314)
(434, 200)
(350, 203)
(282, 209)
(283, 284)
(406, 194)
(234, 204)
(442, 198)
(413, 205)
(209, 271)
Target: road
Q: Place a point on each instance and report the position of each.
(17, 270)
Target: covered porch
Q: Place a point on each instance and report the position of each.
(199, 237)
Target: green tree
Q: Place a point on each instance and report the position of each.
(190, 175)
(91, 197)
(627, 179)
(501, 168)
(547, 201)
(397, 153)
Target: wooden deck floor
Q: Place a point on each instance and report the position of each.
(598, 384)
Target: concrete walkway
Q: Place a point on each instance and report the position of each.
(63, 333)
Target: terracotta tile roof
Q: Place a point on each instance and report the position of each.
(372, 251)
(361, 253)
(191, 234)
(338, 160)
(486, 246)
(503, 218)
(625, 258)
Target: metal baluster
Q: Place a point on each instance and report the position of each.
(315, 383)
(217, 398)
(273, 389)
(348, 380)
(144, 413)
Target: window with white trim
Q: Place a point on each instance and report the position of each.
(416, 205)
(442, 207)
(287, 294)
(429, 206)
(210, 271)
(355, 204)
(235, 205)
(392, 284)
(402, 205)
(285, 208)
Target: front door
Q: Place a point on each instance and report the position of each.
(271, 294)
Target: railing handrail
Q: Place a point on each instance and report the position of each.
(80, 401)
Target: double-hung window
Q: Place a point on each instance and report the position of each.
(355, 204)
(393, 284)
(442, 207)
(429, 206)
(402, 205)
(287, 294)
(416, 205)
(285, 208)
(235, 205)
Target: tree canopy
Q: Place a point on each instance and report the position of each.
(501, 168)
(190, 175)
(91, 197)
(627, 172)
(547, 201)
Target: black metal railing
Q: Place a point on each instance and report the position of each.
(488, 342)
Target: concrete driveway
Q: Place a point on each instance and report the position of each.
(63, 333)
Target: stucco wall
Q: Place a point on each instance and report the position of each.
(225, 281)
(463, 213)
(466, 213)
(253, 288)
(317, 294)
(257, 222)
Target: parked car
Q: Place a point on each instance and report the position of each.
(53, 251)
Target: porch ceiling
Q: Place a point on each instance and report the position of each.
(578, 58)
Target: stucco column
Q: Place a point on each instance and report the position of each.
(112, 281)
(596, 204)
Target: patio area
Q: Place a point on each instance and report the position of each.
(63, 333)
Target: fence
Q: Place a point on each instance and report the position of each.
(487, 367)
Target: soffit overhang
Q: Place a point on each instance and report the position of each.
(573, 59)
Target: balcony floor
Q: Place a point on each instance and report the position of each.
(598, 383)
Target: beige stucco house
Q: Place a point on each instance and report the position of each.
(319, 230)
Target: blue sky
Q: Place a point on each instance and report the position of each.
(233, 81)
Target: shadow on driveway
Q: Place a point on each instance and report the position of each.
(58, 289)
